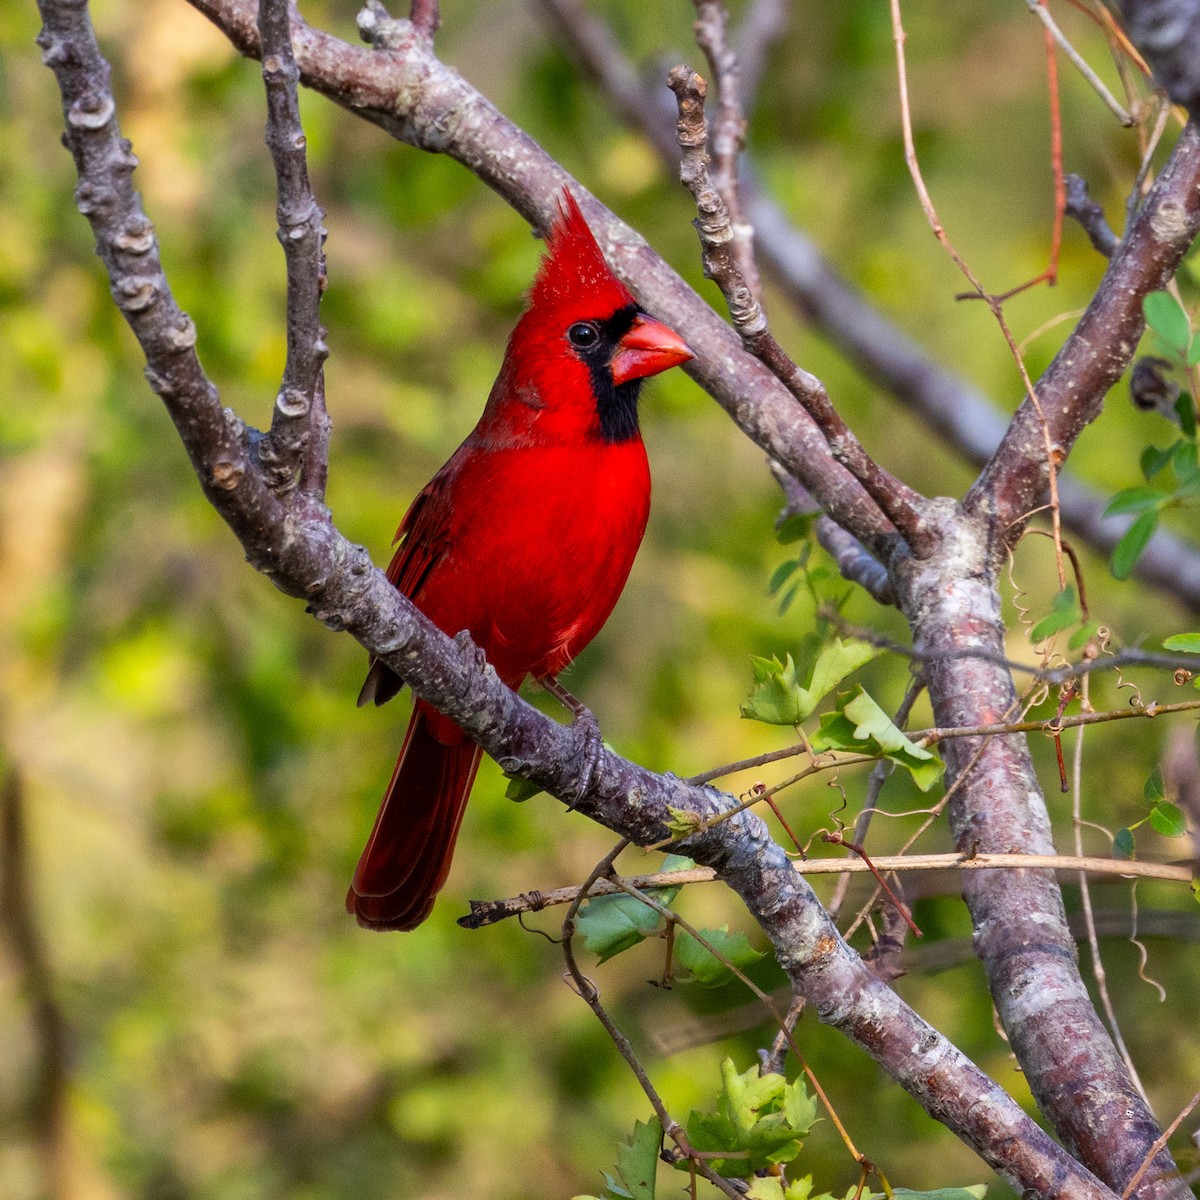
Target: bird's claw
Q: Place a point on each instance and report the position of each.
(585, 730)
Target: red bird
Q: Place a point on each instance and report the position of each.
(524, 538)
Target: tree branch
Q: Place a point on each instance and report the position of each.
(299, 416)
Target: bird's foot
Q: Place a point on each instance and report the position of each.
(586, 732)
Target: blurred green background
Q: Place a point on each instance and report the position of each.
(183, 739)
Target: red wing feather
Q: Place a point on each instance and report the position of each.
(423, 536)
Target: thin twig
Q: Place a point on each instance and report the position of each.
(1085, 896)
(1042, 12)
(590, 994)
(728, 133)
(488, 912)
(879, 776)
(299, 415)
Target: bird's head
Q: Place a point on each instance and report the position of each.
(584, 345)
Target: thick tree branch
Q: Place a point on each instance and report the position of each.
(997, 806)
(1072, 390)
(307, 557)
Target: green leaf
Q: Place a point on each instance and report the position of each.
(754, 1119)
(1196, 890)
(1183, 461)
(1064, 612)
(834, 663)
(1153, 460)
(770, 1187)
(1167, 319)
(703, 965)
(1185, 407)
(612, 924)
(683, 821)
(1167, 819)
(1184, 643)
(1193, 354)
(793, 527)
(859, 725)
(520, 789)
(778, 698)
(1133, 541)
(1083, 635)
(781, 575)
(1134, 500)
(637, 1160)
(1153, 790)
(1123, 846)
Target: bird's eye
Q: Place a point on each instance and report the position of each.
(583, 335)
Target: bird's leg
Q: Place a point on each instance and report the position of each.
(587, 734)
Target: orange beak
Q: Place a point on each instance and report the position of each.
(648, 348)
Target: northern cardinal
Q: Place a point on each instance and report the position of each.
(524, 538)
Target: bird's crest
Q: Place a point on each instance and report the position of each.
(574, 267)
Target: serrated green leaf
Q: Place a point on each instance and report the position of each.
(799, 1107)
(1193, 354)
(1185, 409)
(771, 1187)
(1123, 846)
(1167, 319)
(616, 1191)
(1184, 643)
(1196, 890)
(779, 699)
(637, 1159)
(750, 1120)
(1167, 819)
(1153, 460)
(1153, 789)
(793, 527)
(520, 789)
(1083, 635)
(1133, 541)
(703, 965)
(1134, 500)
(860, 726)
(776, 698)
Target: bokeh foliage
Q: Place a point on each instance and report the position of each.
(196, 778)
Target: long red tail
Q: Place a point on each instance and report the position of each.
(407, 856)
